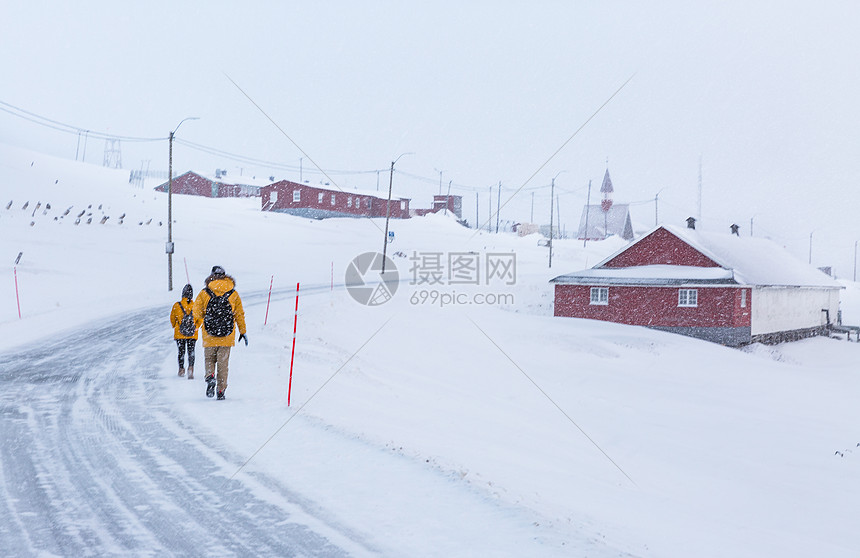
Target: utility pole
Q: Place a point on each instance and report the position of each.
(169, 246)
(490, 211)
(532, 217)
(477, 214)
(448, 198)
(388, 210)
(855, 261)
(301, 176)
(551, 196)
(656, 219)
(558, 214)
(587, 211)
(499, 206)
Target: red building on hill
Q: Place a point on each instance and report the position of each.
(319, 202)
(214, 186)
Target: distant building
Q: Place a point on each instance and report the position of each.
(319, 202)
(453, 204)
(720, 287)
(601, 221)
(214, 186)
(597, 224)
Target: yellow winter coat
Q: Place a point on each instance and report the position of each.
(176, 318)
(218, 287)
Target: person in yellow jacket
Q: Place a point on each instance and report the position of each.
(218, 308)
(185, 329)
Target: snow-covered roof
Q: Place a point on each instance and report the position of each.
(604, 223)
(379, 194)
(234, 179)
(750, 261)
(650, 275)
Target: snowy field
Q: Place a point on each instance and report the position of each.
(422, 429)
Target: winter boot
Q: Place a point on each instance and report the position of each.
(190, 373)
(210, 386)
(221, 395)
(181, 371)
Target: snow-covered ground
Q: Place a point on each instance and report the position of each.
(430, 429)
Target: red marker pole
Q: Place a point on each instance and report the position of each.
(266, 320)
(332, 276)
(17, 298)
(293, 355)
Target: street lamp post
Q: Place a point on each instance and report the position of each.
(551, 196)
(388, 210)
(169, 246)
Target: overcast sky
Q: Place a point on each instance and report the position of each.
(765, 94)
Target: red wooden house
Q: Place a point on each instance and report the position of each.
(319, 202)
(214, 186)
(720, 287)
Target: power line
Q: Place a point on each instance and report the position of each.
(67, 128)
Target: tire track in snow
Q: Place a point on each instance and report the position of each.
(90, 466)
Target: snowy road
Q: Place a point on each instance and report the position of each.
(93, 462)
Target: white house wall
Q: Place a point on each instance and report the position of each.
(777, 309)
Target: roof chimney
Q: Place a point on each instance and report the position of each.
(217, 173)
(691, 223)
(735, 230)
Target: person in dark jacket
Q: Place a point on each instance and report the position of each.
(185, 334)
(219, 333)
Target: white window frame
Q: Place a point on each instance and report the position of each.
(403, 206)
(333, 200)
(688, 298)
(297, 196)
(273, 197)
(320, 197)
(599, 296)
(743, 298)
(349, 201)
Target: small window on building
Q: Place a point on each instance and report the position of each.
(403, 206)
(333, 199)
(273, 197)
(320, 197)
(368, 203)
(599, 295)
(349, 201)
(297, 195)
(743, 298)
(688, 297)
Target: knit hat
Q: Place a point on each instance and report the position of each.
(187, 292)
(218, 270)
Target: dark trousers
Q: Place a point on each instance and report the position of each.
(181, 345)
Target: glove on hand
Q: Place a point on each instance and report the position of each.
(243, 336)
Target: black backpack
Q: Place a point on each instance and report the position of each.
(186, 326)
(218, 319)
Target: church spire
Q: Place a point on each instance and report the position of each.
(606, 188)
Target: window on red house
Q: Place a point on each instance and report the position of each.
(599, 296)
(688, 297)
